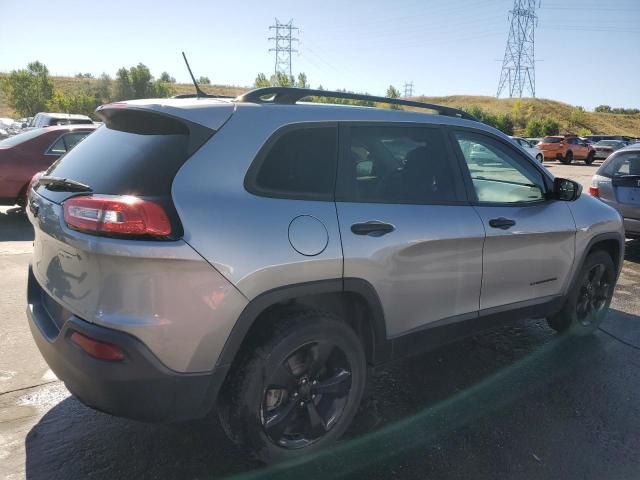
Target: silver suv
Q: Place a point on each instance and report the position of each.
(255, 256)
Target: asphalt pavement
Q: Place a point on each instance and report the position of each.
(515, 402)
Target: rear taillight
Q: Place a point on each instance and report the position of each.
(35, 179)
(593, 188)
(97, 348)
(116, 215)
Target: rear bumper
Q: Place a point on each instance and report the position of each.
(139, 387)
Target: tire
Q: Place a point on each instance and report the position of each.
(586, 307)
(319, 400)
(568, 158)
(590, 158)
(540, 158)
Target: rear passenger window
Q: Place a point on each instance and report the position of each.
(300, 163)
(396, 165)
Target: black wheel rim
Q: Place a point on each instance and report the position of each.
(594, 294)
(306, 395)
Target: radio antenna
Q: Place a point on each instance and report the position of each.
(199, 93)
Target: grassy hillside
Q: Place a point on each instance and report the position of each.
(598, 123)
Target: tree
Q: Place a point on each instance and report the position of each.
(302, 80)
(533, 128)
(123, 88)
(166, 78)
(516, 112)
(261, 81)
(282, 80)
(392, 92)
(204, 81)
(28, 90)
(103, 88)
(550, 127)
(603, 109)
(577, 116)
(504, 123)
(140, 80)
(79, 102)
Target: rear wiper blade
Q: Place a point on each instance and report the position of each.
(58, 184)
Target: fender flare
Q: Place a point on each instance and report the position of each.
(381, 347)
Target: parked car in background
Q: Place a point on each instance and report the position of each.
(566, 149)
(25, 154)
(259, 256)
(604, 148)
(45, 119)
(617, 183)
(530, 148)
(597, 138)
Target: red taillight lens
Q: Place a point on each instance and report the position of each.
(116, 215)
(96, 348)
(594, 191)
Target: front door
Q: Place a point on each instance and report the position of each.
(529, 248)
(406, 225)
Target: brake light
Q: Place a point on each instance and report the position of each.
(593, 188)
(98, 349)
(116, 215)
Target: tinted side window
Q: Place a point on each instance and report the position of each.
(299, 163)
(401, 164)
(58, 148)
(72, 139)
(497, 173)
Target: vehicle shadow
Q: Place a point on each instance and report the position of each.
(492, 395)
(15, 226)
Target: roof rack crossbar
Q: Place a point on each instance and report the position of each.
(291, 95)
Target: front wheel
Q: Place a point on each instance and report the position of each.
(590, 158)
(298, 389)
(589, 297)
(540, 158)
(568, 158)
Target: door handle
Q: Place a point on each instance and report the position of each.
(373, 228)
(502, 223)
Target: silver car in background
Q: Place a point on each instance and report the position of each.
(529, 147)
(604, 148)
(617, 183)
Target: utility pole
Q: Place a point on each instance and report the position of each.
(283, 46)
(518, 65)
(408, 89)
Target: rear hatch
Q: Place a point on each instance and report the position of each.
(551, 143)
(132, 159)
(624, 171)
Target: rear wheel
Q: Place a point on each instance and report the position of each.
(589, 298)
(298, 390)
(568, 158)
(590, 158)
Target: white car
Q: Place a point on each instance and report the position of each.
(532, 150)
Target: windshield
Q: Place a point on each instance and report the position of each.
(609, 143)
(21, 138)
(627, 163)
(551, 140)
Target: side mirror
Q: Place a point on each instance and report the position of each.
(25, 124)
(566, 190)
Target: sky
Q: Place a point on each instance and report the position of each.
(587, 51)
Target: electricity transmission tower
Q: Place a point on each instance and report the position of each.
(283, 46)
(518, 65)
(408, 89)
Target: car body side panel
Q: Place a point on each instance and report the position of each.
(163, 293)
(530, 260)
(594, 218)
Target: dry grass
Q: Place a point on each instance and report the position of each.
(598, 123)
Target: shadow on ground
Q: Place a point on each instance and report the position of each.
(516, 402)
(632, 251)
(15, 226)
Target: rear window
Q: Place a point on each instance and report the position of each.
(134, 153)
(627, 163)
(297, 163)
(551, 140)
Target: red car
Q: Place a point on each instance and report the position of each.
(24, 155)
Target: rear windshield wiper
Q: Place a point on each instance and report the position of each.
(58, 184)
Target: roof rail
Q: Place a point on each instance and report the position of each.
(291, 95)
(195, 95)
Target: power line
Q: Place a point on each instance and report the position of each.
(518, 65)
(283, 46)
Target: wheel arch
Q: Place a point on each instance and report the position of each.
(352, 299)
(612, 243)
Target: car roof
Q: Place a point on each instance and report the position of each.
(65, 116)
(213, 112)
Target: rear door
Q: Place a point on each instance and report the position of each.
(623, 190)
(406, 225)
(529, 248)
